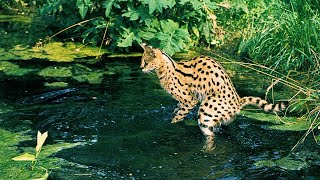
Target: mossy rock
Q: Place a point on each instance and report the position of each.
(56, 84)
(285, 163)
(56, 72)
(92, 78)
(12, 69)
(278, 122)
(52, 51)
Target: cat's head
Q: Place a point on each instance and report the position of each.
(151, 58)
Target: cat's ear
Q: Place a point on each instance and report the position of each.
(157, 53)
(146, 47)
(148, 50)
(143, 45)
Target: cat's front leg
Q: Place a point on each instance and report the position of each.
(182, 110)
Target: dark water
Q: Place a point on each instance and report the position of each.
(125, 123)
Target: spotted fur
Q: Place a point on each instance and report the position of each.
(203, 80)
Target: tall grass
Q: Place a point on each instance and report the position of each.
(288, 41)
(291, 41)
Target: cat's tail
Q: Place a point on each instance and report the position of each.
(263, 104)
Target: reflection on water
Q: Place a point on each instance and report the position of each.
(125, 122)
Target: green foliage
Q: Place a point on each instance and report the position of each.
(168, 24)
(285, 36)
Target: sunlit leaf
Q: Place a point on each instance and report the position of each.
(132, 14)
(127, 41)
(147, 33)
(83, 6)
(83, 10)
(108, 5)
(41, 138)
(25, 157)
(87, 2)
(196, 31)
(159, 5)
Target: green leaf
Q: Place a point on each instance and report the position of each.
(147, 33)
(168, 26)
(83, 6)
(152, 23)
(87, 2)
(195, 3)
(159, 5)
(25, 157)
(83, 10)
(209, 4)
(128, 36)
(196, 31)
(172, 38)
(132, 14)
(108, 5)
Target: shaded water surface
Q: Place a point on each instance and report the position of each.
(125, 125)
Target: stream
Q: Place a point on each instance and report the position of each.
(123, 125)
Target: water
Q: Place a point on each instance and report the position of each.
(124, 122)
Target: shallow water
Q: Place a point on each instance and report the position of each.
(124, 123)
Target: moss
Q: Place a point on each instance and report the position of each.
(265, 163)
(53, 51)
(278, 122)
(56, 72)
(12, 69)
(283, 163)
(92, 78)
(121, 69)
(56, 84)
(83, 73)
(297, 126)
(15, 18)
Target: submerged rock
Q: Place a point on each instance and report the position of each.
(48, 96)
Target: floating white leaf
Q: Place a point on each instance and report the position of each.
(41, 138)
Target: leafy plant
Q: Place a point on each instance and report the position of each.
(41, 138)
(286, 39)
(168, 24)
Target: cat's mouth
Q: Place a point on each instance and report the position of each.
(147, 70)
